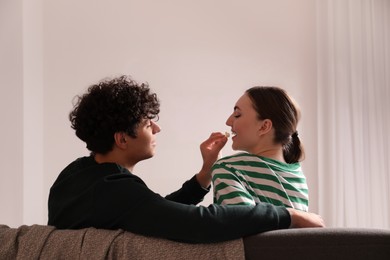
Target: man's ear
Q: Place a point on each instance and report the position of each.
(120, 140)
(265, 126)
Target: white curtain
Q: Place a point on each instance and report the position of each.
(354, 112)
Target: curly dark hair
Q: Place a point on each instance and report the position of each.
(113, 105)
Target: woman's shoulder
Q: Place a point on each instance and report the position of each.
(238, 157)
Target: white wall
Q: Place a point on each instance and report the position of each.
(11, 111)
(34, 197)
(199, 56)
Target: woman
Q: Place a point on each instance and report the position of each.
(264, 125)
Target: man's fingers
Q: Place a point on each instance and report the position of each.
(217, 139)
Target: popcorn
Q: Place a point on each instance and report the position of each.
(227, 134)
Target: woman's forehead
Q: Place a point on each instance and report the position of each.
(244, 102)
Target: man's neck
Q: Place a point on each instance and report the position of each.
(112, 157)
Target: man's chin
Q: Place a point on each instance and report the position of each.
(148, 156)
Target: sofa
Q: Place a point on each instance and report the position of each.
(47, 242)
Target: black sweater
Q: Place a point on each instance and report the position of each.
(108, 196)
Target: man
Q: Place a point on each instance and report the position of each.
(115, 118)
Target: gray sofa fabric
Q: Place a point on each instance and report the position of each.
(46, 242)
(319, 243)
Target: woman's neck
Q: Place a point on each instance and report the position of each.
(275, 153)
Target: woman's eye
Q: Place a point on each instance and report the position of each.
(237, 115)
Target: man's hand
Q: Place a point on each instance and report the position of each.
(301, 219)
(210, 150)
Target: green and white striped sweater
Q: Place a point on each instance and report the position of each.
(247, 179)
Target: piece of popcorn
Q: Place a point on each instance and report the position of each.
(227, 134)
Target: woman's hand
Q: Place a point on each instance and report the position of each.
(210, 150)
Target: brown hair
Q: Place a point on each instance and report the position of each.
(274, 104)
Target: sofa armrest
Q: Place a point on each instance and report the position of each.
(319, 243)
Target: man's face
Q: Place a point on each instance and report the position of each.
(143, 146)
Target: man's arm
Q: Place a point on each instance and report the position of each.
(193, 191)
(190, 193)
(130, 205)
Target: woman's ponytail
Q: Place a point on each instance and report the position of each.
(293, 151)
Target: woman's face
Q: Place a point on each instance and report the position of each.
(245, 125)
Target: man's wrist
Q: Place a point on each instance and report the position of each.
(293, 217)
(204, 179)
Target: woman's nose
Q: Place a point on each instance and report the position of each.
(229, 121)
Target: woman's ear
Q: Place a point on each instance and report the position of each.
(265, 126)
(120, 140)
